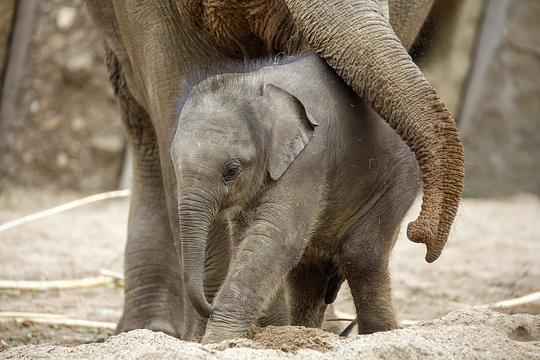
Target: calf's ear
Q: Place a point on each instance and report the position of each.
(292, 128)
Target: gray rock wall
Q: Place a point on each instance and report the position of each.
(500, 115)
(445, 47)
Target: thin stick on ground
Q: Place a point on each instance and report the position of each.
(522, 300)
(18, 314)
(111, 273)
(504, 304)
(31, 285)
(54, 319)
(58, 319)
(64, 207)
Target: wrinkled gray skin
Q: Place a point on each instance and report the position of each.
(312, 184)
(150, 48)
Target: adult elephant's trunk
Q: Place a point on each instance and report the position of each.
(196, 209)
(356, 39)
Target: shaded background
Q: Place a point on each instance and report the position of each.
(60, 128)
(61, 138)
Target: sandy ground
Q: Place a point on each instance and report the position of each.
(463, 334)
(492, 255)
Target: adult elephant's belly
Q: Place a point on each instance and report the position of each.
(246, 28)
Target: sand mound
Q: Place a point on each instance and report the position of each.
(462, 334)
(285, 338)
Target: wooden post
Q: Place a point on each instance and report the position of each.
(22, 27)
(500, 116)
(7, 13)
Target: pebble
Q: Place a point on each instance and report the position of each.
(62, 160)
(65, 18)
(77, 124)
(78, 69)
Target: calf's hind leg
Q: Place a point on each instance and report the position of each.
(364, 262)
(311, 288)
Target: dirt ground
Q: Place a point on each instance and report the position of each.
(492, 255)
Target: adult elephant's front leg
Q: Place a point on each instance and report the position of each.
(269, 251)
(152, 273)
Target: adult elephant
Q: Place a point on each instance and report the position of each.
(153, 45)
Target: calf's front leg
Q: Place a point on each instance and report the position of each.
(271, 248)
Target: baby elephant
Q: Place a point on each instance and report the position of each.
(305, 182)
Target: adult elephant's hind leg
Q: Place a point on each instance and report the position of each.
(152, 273)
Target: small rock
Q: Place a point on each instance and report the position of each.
(35, 106)
(78, 123)
(62, 160)
(78, 69)
(27, 323)
(51, 123)
(109, 147)
(65, 18)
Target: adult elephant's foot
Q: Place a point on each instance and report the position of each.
(158, 325)
(150, 301)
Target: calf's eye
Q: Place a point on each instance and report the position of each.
(231, 171)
